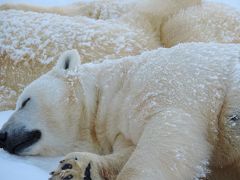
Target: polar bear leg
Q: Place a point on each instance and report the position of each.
(83, 165)
(173, 146)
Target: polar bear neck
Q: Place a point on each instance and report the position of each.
(109, 78)
(94, 85)
(82, 99)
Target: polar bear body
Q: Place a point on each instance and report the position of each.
(169, 106)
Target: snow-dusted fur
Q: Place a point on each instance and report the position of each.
(209, 22)
(170, 114)
(101, 29)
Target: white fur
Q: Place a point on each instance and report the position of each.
(163, 111)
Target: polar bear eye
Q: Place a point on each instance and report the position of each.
(25, 102)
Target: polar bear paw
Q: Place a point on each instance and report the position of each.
(78, 166)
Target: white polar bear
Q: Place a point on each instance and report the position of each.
(167, 114)
(101, 29)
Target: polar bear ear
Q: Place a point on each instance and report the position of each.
(69, 60)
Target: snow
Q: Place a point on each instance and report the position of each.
(233, 3)
(4, 116)
(42, 2)
(14, 167)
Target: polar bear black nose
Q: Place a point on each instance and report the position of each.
(3, 138)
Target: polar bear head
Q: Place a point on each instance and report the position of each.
(50, 116)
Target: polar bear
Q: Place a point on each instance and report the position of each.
(166, 114)
(101, 29)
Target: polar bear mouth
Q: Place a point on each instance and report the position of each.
(25, 141)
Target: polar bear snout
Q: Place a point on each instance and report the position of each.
(17, 141)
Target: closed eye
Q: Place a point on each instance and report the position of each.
(25, 102)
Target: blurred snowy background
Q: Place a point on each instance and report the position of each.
(42, 2)
(234, 3)
(29, 168)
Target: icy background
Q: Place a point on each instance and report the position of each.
(234, 3)
(42, 2)
(14, 167)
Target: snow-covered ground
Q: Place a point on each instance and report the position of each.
(37, 168)
(41, 2)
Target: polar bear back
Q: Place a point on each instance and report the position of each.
(184, 68)
(193, 77)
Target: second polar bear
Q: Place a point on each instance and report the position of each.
(30, 41)
(169, 114)
(101, 29)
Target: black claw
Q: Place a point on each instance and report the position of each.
(68, 177)
(87, 173)
(67, 166)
